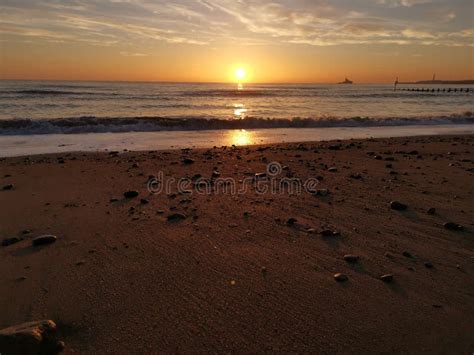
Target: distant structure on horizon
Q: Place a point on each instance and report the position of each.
(346, 81)
(439, 82)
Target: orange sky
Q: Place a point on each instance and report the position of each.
(208, 41)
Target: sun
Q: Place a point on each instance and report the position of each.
(240, 74)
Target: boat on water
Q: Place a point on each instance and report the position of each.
(346, 81)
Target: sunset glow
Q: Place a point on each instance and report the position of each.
(204, 41)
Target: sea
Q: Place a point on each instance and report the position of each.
(32, 110)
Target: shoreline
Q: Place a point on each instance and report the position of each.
(141, 141)
(255, 272)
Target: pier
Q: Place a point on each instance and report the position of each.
(435, 90)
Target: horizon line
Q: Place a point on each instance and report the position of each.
(216, 82)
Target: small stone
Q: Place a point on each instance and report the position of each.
(176, 217)
(9, 241)
(322, 192)
(328, 233)
(263, 270)
(407, 254)
(356, 176)
(387, 278)
(310, 231)
(431, 210)
(340, 277)
(130, 194)
(428, 265)
(44, 240)
(38, 337)
(332, 169)
(291, 221)
(113, 200)
(453, 226)
(188, 161)
(216, 174)
(398, 206)
(144, 201)
(350, 258)
(8, 187)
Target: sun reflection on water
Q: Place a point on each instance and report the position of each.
(239, 111)
(240, 137)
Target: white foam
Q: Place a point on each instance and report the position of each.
(19, 145)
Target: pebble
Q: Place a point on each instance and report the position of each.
(328, 233)
(130, 194)
(350, 258)
(407, 254)
(453, 226)
(188, 161)
(176, 217)
(37, 337)
(9, 241)
(398, 206)
(144, 201)
(44, 240)
(8, 187)
(429, 265)
(332, 169)
(387, 278)
(291, 221)
(322, 192)
(340, 277)
(431, 210)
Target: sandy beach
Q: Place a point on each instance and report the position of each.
(183, 271)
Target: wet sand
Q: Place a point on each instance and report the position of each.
(221, 272)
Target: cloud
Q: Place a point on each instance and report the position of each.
(248, 22)
(406, 3)
(128, 54)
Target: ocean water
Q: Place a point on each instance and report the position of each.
(58, 107)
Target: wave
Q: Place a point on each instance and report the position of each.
(52, 92)
(149, 124)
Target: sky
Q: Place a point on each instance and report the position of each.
(208, 40)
